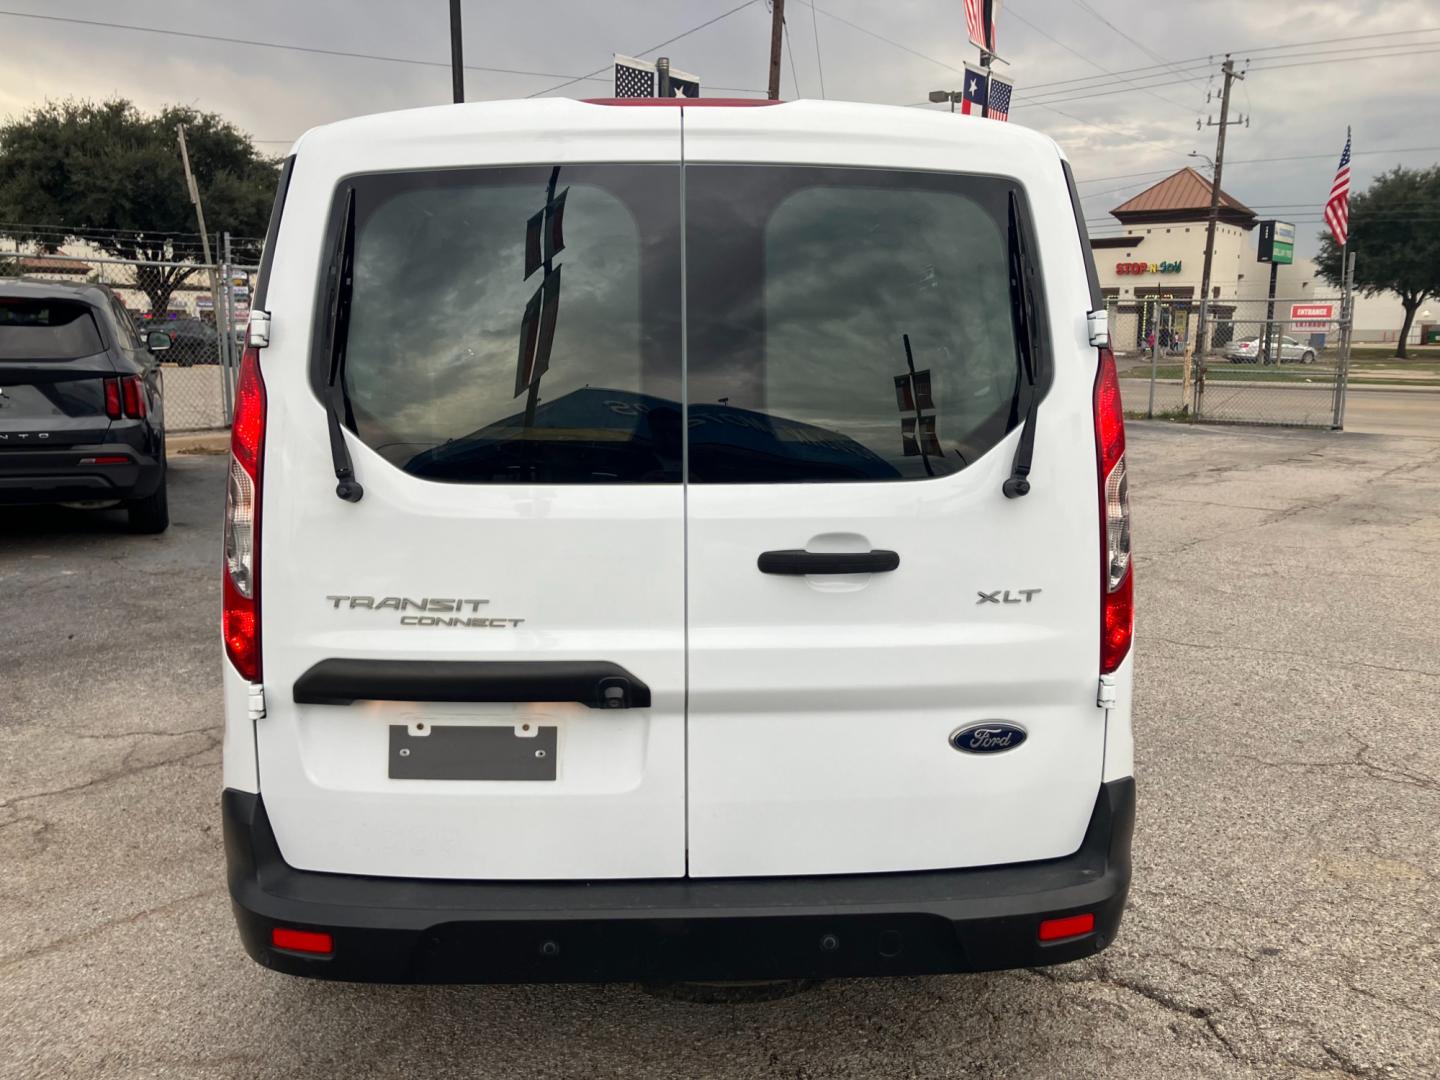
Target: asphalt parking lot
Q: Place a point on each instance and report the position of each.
(1284, 921)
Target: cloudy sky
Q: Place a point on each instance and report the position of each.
(1310, 71)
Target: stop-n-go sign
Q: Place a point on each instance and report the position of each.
(1311, 316)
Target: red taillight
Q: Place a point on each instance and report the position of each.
(112, 399)
(241, 586)
(306, 941)
(1068, 927)
(132, 392)
(1117, 581)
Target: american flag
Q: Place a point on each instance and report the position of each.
(980, 22)
(997, 106)
(1337, 207)
(634, 78)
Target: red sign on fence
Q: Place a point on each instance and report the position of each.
(1311, 316)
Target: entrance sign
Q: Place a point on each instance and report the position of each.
(1311, 316)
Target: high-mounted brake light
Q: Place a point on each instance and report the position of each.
(1117, 581)
(241, 611)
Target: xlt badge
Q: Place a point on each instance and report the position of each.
(441, 610)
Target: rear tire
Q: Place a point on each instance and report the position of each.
(1309, 357)
(151, 514)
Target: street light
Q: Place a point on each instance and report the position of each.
(951, 96)
(1203, 157)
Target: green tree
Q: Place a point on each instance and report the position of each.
(110, 175)
(1395, 234)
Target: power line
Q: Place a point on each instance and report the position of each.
(1049, 37)
(1250, 70)
(819, 64)
(1084, 6)
(794, 75)
(1208, 60)
(652, 48)
(269, 44)
(880, 37)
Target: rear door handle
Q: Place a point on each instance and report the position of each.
(797, 561)
(598, 684)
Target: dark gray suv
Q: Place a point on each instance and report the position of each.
(82, 415)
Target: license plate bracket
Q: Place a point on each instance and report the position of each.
(472, 752)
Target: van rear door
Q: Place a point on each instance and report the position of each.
(860, 590)
(477, 670)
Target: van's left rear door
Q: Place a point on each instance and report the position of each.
(539, 528)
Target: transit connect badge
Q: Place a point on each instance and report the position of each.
(440, 610)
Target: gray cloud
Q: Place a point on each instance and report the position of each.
(276, 95)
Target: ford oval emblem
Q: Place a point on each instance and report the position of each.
(992, 737)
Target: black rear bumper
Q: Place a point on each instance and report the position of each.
(401, 930)
(71, 474)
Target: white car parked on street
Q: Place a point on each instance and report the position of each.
(754, 602)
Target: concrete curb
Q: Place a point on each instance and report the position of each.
(198, 442)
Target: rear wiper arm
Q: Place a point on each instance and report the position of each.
(1022, 298)
(336, 401)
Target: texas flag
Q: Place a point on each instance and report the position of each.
(977, 91)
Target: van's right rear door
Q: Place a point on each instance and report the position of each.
(861, 592)
(521, 524)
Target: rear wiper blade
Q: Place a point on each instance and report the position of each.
(1022, 299)
(336, 401)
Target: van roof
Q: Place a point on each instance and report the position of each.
(782, 121)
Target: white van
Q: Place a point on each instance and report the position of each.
(676, 540)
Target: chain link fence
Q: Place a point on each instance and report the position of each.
(180, 299)
(1281, 361)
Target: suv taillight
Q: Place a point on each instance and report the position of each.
(112, 399)
(241, 615)
(1117, 581)
(132, 393)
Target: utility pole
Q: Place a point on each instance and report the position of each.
(194, 191)
(777, 33)
(1196, 382)
(457, 59)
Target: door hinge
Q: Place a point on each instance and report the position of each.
(256, 701)
(257, 330)
(1106, 697)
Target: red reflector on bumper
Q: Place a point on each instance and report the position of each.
(1070, 926)
(106, 459)
(306, 941)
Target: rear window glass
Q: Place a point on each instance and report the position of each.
(516, 324)
(846, 324)
(46, 330)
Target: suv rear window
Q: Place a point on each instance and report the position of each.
(47, 330)
(840, 324)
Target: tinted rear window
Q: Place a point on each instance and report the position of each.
(841, 324)
(846, 324)
(450, 281)
(46, 330)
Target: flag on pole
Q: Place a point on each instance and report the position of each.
(980, 22)
(639, 79)
(997, 104)
(977, 82)
(1337, 207)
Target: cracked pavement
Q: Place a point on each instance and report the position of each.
(1284, 920)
